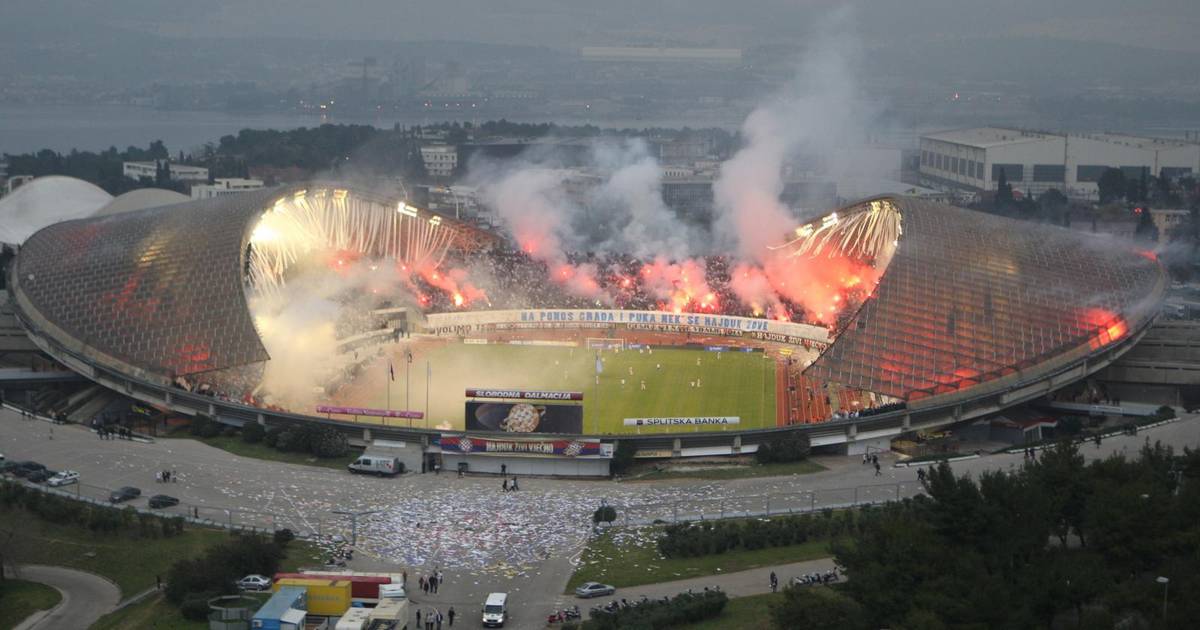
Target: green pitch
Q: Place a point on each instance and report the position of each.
(678, 383)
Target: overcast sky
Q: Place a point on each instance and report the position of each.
(1163, 24)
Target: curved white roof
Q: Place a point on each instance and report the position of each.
(46, 201)
(141, 199)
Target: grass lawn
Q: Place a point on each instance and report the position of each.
(156, 613)
(19, 599)
(152, 613)
(629, 557)
(738, 384)
(236, 446)
(133, 563)
(744, 613)
(732, 472)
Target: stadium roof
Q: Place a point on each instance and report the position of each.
(161, 290)
(966, 298)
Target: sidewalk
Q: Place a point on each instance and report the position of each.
(739, 584)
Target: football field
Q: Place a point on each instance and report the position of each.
(632, 384)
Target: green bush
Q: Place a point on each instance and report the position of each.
(229, 431)
(284, 536)
(199, 424)
(221, 566)
(327, 442)
(271, 437)
(605, 514)
(689, 540)
(685, 608)
(789, 446)
(253, 432)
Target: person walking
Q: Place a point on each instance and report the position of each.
(438, 619)
(418, 618)
(877, 471)
(450, 616)
(774, 582)
(421, 581)
(504, 485)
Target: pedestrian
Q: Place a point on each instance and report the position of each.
(866, 458)
(433, 583)
(421, 581)
(174, 476)
(404, 578)
(514, 483)
(877, 473)
(441, 576)
(504, 485)
(774, 582)
(439, 620)
(503, 469)
(875, 460)
(158, 582)
(418, 618)
(450, 616)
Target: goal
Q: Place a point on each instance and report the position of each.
(601, 343)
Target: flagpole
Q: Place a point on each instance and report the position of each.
(428, 377)
(389, 386)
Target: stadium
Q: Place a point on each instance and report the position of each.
(332, 304)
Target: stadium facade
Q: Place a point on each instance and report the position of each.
(973, 313)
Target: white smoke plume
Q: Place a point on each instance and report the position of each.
(818, 113)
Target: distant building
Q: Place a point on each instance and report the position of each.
(225, 186)
(1168, 220)
(440, 159)
(179, 172)
(1036, 161)
(15, 182)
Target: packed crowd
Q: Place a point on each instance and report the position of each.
(517, 280)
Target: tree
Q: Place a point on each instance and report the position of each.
(804, 608)
(1146, 230)
(623, 455)
(1052, 203)
(1004, 192)
(1112, 185)
(604, 514)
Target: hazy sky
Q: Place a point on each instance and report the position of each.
(1164, 24)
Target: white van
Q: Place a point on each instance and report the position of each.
(495, 610)
(377, 465)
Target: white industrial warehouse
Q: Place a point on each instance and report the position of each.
(1036, 161)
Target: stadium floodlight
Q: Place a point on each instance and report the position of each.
(354, 516)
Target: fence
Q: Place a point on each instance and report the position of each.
(773, 504)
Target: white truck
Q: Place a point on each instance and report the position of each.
(376, 465)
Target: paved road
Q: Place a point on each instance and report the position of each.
(86, 598)
(523, 543)
(738, 584)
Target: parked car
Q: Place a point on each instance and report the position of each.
(594, 589)
(162, 501)
(125, 493)
(24, 469)
(63, 478)
(254, 583)
(38, 476)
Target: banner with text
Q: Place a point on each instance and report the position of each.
(682, 422)
(488, 446)
(474, 322)
(523, 394)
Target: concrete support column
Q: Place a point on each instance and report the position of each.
(907, 424)
(262, 420)
(677, 448)
(367, 435)
(212, 411)
(737, 444)
(852, 432)
(167, 397)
